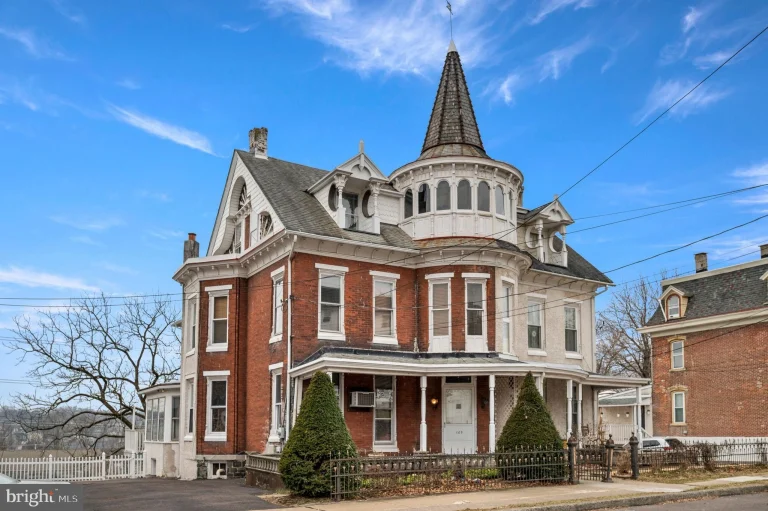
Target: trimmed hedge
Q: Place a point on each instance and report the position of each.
(319, 430)
(529, 424)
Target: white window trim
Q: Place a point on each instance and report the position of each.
(274, 370)
(672, 355)
(386, 446)
(476, 278)
(673, 408)
(324, 271)
(216, 293)
(570, 304)
(531, 297)
(210, 377)
(212, 289)
(536, 353)
(193, 300)
(679, 307)
(384, 275)
(385, 278)
(439, 276)
(277, 276)
(432, 283)
(506, 322)
(189, 403)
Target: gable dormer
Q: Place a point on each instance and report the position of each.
(674, 302)
(540, 229)
(350, 193)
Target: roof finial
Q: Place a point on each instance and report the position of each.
(361, 146)
(450, 10)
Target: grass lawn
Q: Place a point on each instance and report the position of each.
(692, 476)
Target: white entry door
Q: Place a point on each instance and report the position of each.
(458, 419)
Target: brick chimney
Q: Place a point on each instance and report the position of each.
(764, 251)
(191, 247)
(701, 262)
(257, 139)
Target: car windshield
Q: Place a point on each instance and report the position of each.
(4, 479)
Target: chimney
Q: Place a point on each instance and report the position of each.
(701, 262)
(191, 247)
(763, 251)
(257, 138)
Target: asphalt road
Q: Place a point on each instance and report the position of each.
(754, 502)
(172, 495)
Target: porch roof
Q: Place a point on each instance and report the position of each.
(409, 363)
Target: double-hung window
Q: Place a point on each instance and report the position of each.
(218, 317)
(155, 431)
(571, 329)
(216, 425)
(678, 407)
(175, 416)
(277, 402)
(440, 312)
(384, 412)
(237, 241)
(190, 406)
(384, 307)
(350, 210)
(475, 311)
(678, 361)
(192, 314)
(673, 307)
(535, 309)
(331, 313)
(277, 306)
(506, 317)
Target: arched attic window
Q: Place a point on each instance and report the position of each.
(443, 196)
(483, 197)
(499, 200)
(265, 225)
(464, 195)
(424, 199)
(408, 209)
(673, 307)
(243, 198)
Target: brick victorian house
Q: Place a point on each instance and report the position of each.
(710, 352)
(427, 295)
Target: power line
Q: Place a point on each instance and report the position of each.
(662, 114)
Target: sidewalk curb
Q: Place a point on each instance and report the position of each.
(648, 500)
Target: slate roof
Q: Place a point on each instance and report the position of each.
(452, 129)
(285, 184)
(721, 293)
(533, 212)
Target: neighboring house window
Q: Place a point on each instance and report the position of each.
(350, 210)
(219, 321)
(384, 308)
(440, 312)
(277, 304)
(424, 202)
(673, 307)
(190, 406)
(483, 197)
(331, 296)
(175, 416)
(384, 411)
(408, 213)
(192, 311)
(277, 403)
(678, 407)
(677, 355)
(571, 329)
(443, 196)
(475, 308)
(217, 409)
(464, 195)
(506, 317)
(534, 324)
(499, 200)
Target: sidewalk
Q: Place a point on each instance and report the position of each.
(500, 499)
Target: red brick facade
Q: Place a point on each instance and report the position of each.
(725, 382)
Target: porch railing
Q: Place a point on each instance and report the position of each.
(134, 440)
(682, 455)
(623, 432)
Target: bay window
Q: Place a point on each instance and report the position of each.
(190, 393)
(506, 317)
(475, 312)
(439, 312)
(218, 317)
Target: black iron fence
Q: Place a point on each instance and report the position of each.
(684, 454)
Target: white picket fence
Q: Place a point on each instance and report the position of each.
(97, 468)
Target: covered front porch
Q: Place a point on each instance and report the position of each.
(448, 402)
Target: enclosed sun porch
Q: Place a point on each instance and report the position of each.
(404, 402)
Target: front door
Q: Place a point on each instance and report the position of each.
(458, 417)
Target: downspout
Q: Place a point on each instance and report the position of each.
(289, 354)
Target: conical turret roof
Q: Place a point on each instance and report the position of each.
(452, 129)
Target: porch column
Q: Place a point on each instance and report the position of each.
(578, 410)
(492, 412)
(569, 408)
(639, 410)
(423, 426)
(540, 383)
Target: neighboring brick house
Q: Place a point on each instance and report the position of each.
(710, 352)
(427, 296)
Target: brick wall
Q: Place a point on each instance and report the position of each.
(725, 382)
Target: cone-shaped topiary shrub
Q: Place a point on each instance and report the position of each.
(530, 429)
(320, 430)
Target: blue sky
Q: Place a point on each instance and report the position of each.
(117, 121)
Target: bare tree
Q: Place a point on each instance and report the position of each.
(621, 349)
(88, 362)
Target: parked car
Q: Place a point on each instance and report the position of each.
(4, 479)
(654, 444)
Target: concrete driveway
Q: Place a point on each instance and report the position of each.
(172, 495)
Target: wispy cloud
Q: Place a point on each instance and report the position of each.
(547, 7)
(752, 176)
(116, 268)
(31, 278)
(127, 83)
(509, 87)
(727, 249)
(555, 62)
(28, 95)
(692, 18)
(663, 94)
(32, 44)
(88, 224)
(158, 128)
(165, 234)
(86, 240)
(69, 12)
(401, 36)
(234, 27)
(157, 196)
(711, 60)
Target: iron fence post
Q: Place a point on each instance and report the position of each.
(609, 445)
(633, 447)
(572, 444)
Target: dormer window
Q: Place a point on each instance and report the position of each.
(349, 201)
(408, 210)
(673, 307)
(483, 197)
(424, 202)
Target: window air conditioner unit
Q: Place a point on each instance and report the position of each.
(362, 400)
